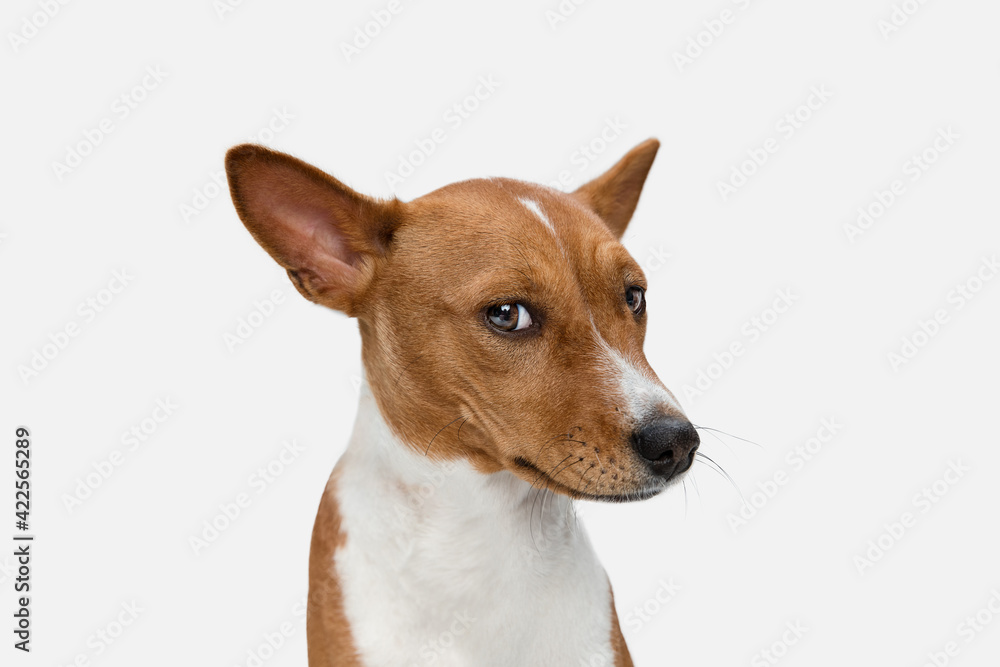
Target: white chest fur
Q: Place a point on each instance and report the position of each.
(441, 567)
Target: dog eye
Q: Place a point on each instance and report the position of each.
(509, 317)
(635, 296)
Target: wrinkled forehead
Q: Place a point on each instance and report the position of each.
(504, 230)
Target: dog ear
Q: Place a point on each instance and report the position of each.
(614, 194)
(321, 231)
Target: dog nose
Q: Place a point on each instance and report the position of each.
(667, 443)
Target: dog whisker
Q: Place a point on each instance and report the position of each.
(723, 443)
(554, 474)
(716, 430)
(684, 486)
(531, 511)
(721, 471)
(583, 475)
(550, 477)
(442, 430)
(402, 372)
(694, 483)
(543, 475)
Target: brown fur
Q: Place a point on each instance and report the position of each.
(622, 657)
(419, 277)
(328, 633)
(614, 194)
(458, 389)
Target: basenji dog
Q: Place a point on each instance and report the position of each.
(502, 328)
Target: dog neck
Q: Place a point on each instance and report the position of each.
(405, 489)
(435, 547)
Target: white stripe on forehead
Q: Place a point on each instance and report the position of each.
(534, 207)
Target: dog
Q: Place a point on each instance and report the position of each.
(502, 328)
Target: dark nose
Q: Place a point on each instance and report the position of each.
(667, 443)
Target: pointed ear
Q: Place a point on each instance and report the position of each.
(614, 194)
(321, 231)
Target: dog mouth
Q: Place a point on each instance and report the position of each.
(543, 480)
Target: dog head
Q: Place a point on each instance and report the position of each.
(502, 322)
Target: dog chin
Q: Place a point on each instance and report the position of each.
(625, 497)
(537, 478)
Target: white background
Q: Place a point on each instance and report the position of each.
(826, 357)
